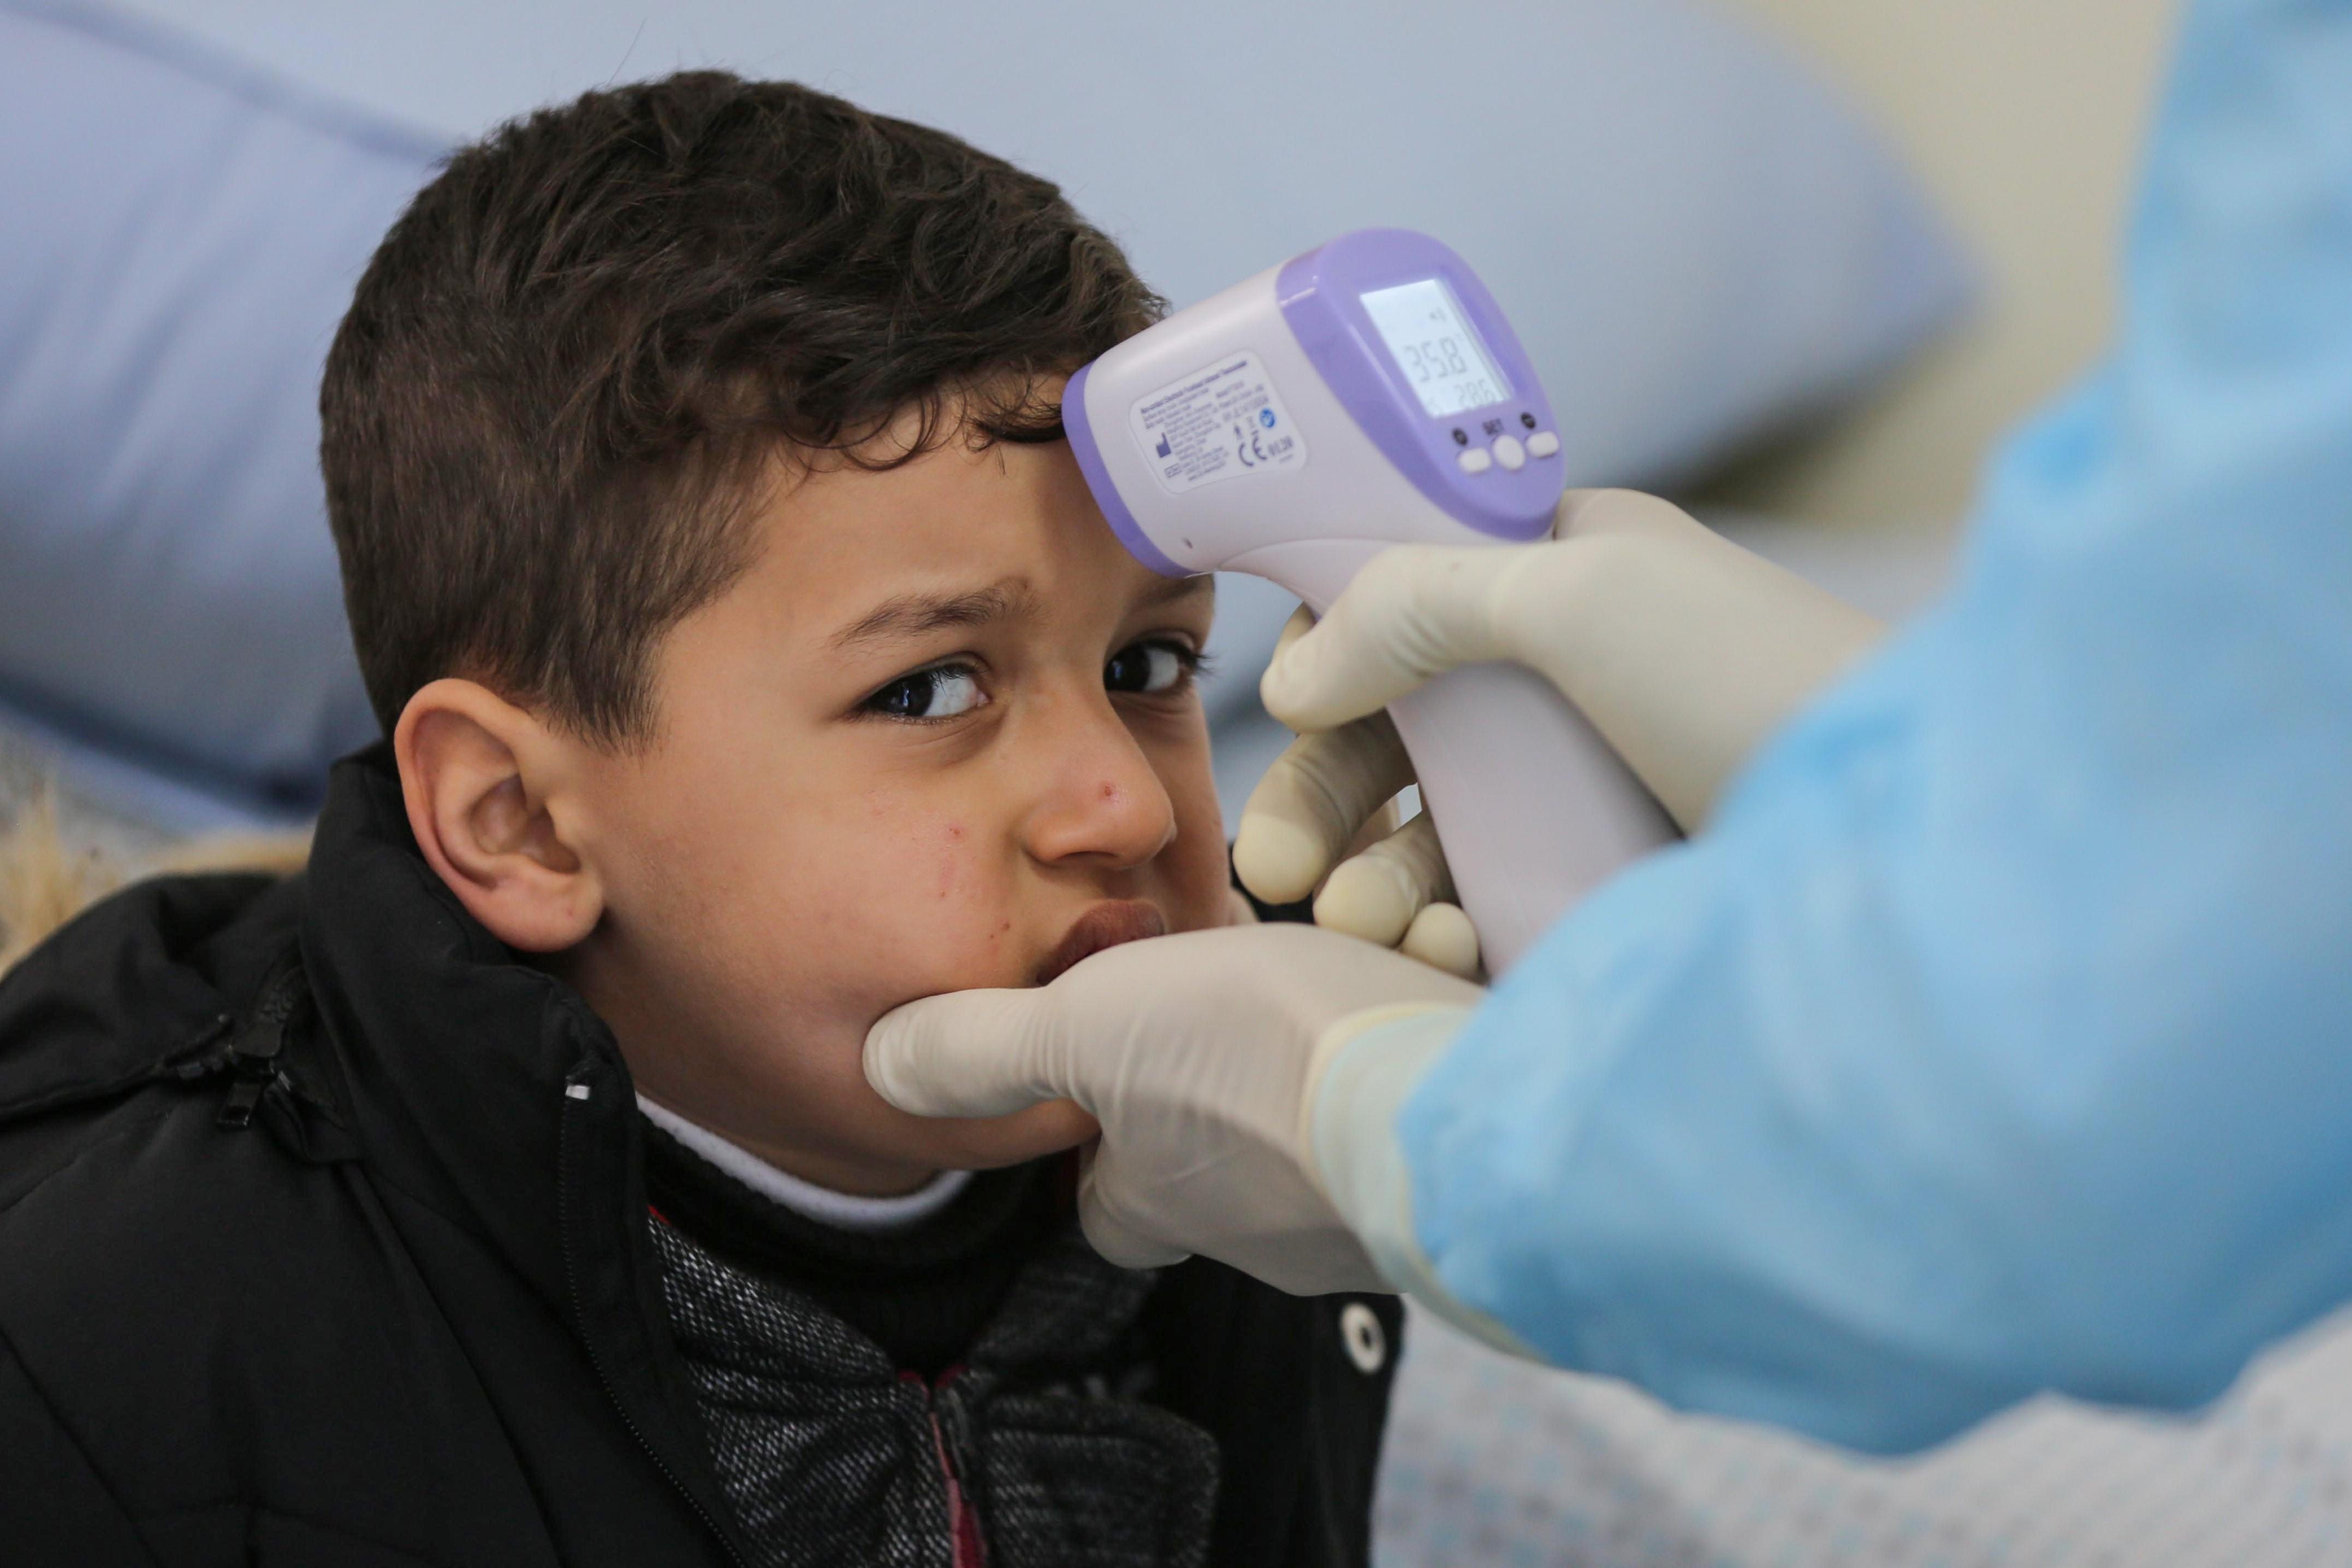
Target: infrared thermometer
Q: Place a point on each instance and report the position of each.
(1365, 394)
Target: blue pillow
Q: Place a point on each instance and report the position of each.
(1694, 238)
(181, 238)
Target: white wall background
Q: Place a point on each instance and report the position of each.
(2025, 118)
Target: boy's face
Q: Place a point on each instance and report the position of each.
(940, 734)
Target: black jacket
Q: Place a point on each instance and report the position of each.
(323, 1239)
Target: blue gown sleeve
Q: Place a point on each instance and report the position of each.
(1996, 1037)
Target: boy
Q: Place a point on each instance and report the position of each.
(507, 1188)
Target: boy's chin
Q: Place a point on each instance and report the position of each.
(987, 1143)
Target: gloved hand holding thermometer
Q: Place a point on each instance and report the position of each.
(1371, 393)
(1682, 649)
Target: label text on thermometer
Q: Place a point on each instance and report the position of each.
(1222, 422)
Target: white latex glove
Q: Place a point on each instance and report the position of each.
(1201, 1055)
(1682, 649)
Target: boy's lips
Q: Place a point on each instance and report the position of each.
(1107, 924)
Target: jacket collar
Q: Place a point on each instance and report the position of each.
(455, 1056)
(490, 1092)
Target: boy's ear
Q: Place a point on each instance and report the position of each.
(488, 793)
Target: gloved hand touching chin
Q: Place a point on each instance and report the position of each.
(1202, 1055)
(1683, 650)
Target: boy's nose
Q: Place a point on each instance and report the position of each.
(1100, 798)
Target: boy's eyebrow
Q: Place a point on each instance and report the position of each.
(918, 614)
(912, 615)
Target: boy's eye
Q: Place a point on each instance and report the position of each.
(943, 691)
(1149, 667)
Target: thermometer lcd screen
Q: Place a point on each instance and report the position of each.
(1435, 346)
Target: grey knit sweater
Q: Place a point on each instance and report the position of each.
(1037, 1451)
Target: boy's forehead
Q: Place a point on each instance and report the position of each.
(956, 536)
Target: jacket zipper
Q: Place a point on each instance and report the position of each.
(250, 1057)
(596, 1361)
(966, 1548)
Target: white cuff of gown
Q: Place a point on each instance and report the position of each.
(1374, 1060)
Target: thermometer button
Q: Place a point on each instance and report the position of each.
(1542, 444)
(1474, 460)
(1509, 453)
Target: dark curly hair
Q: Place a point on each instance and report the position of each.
(574, 354)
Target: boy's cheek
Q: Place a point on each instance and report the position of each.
(1199, 874)
(915, 920)
(1193, 873)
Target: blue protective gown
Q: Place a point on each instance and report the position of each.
(1996, 1037)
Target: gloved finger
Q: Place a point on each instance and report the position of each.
(1386, 819)
(1376, 894)
(1415, 611)
(1589, 514)
(1305, 812)
(1443, 937)
(1112, 1233)
(966, 1053)
(1301, 621)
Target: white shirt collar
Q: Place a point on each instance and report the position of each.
(842, 1210)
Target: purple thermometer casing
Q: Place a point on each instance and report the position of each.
(1081, 431)
(1321, 296)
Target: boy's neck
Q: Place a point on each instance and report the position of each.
(637, 1020)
